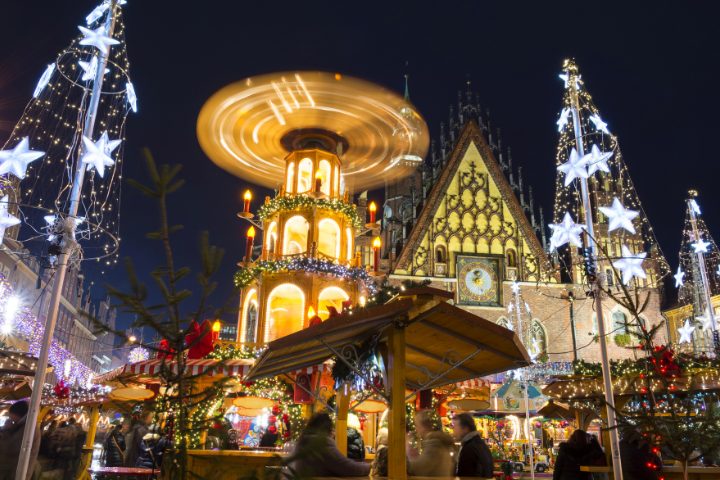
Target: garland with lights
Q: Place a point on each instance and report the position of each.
(297, 202)
(685, 364)
(246, 275)
(232, 352)
(281, 392)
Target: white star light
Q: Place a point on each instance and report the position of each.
(564, 232)
(599, 124)
(630, 265)
(705, 320)
(131, 97)
(6, 220)
(619, 216)
(90, 68)
(515, 288)
(563, 120)
(97, 154)
(686, 332)
(717, 272)
(701, 246)
(97, 38)
(574, 168)
(15, 161)
(694, 205)
(564, 77)
(44, 80)
(50, 220)
(679, 278)
(99, 10)
(597, 160)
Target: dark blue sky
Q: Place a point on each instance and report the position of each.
(652, 68)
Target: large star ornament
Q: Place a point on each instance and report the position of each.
(630, 265)
(705, 320)
(15, 161)
(701, 246)
(6, 220)
(563, 120)
(597, 160)
(599, 124)
(619, 216)
(575, 167)
(679, 278)
(564, 232)
(98, 38)
(90, 68)
(686, 332)
(97, 154)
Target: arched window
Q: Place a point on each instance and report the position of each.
(305, 176)
(271, 238)
(538, 338)
(349, 239)
(295, 237)
(328, 241)
(620, 322)
(285, 311)
(249, 317)
(441, 254)
(325, 175)
(504, 322)
(511, 256)
(331, 297)
(290, 185)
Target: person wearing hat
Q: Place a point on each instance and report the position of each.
(114, 445)
(152, 448)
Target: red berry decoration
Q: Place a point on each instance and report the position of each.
(276, 410)
(272, 429)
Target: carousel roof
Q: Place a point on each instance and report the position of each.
(444, 344)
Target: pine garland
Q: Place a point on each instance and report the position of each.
(294, 202)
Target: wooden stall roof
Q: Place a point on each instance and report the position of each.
(17, 363)
(444, 344)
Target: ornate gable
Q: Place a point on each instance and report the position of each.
(471, 209)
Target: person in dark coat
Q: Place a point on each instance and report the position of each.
(11, 437)
(152, 449)
(114, 446)
(134, 438)
(270, 437)
(578, 450)
(474, 458)
(316, 454)
(635, 455)
(355, 442)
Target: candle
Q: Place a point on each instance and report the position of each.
(372, 208)
(249, 244)
(318, 181)
(247, 197)
(376, 244)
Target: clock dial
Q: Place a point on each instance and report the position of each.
(477, 281)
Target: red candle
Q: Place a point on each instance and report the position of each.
(318, 182)
(372, 208)
(376, 244)
(247, 197)
(249, 244)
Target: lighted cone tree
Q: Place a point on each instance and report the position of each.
(697, 279)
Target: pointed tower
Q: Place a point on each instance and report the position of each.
(609, 179)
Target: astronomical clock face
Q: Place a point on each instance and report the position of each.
(478, 280)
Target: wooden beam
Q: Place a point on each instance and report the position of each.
(343, 404)
(397, 461)
(87, 451)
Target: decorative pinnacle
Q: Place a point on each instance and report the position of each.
(692, 193)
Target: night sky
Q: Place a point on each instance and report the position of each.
(652, 70)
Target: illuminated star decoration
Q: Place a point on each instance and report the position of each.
(97, 38)
(599, 124)
(566, 78)
(131, 97)
(99, 10)
(705, 320)
(619, 216)
(694, 205)
(515, 288)
(90, 68)
(563, 120)
(564, 232)
(686, 332)
(701, 246)
(630, 265)
(6, 219)
(15, 161)
(597, 160)
(44, 80)
(679, 278)
(574, 168)
(97, 154)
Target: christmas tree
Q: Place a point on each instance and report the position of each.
(612, 196)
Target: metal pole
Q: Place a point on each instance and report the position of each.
(571, 301)
(590, 242)
(32, 416)
(704, 276)
(525, 338)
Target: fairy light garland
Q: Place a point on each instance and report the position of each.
(297, 202)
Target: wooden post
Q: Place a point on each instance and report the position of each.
(87, 451)
(397, 462)
(343, 405)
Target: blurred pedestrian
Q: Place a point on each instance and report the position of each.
(134, 438)
(579, 450)
(355, 442)
(152, 448)
(114, 445)
(11, 437)
(436, 449)
(474, 458)
(379, 466)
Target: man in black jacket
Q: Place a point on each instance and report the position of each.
(474, 459)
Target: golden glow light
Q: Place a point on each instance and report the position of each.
(372, 207)
(216, 326)
(311, 312)
(251, 232)
(248, 195)
(377, 243)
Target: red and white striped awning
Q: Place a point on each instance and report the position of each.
(473, 383)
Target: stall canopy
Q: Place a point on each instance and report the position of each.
(444, 344)
(147, 371)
